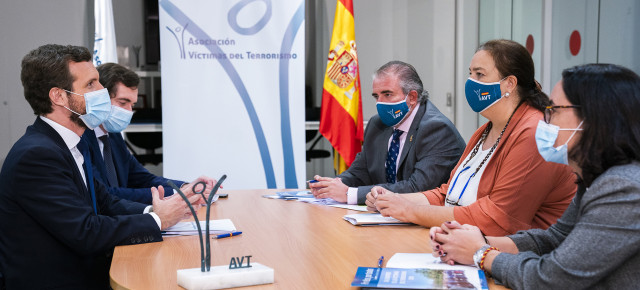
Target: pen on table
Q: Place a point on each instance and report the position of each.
(380, 261)
(227, 235)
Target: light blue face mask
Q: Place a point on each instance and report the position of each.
(118, 120)
(546, 135)
(98, 105)
(392, 113)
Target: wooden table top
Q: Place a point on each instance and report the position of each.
(308, 246)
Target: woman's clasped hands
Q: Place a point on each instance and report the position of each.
(456, 243)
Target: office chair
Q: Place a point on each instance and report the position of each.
(316, 153)
(150, 141)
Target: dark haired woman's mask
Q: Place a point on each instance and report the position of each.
(481, 96)
(546, 135)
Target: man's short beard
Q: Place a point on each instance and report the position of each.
(73, 105)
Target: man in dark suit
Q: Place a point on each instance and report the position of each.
(57, 226)
(114, 165)
(408, 147)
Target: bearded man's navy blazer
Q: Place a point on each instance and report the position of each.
(50, 236)
(135, 180)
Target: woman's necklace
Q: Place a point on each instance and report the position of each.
(473, 153)
(484, 137)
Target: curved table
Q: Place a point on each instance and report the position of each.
(308, 246)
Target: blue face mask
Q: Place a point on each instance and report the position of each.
(98, 105)
(118, 120)
(392, 113)
(481, 96)
(546, 135)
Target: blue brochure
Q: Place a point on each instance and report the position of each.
(395, 278)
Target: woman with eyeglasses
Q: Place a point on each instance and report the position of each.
(501, 184)
(594, 124)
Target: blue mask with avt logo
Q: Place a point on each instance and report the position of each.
(481, 96)
(392, 113)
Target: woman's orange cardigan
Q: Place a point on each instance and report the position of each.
(518, 190)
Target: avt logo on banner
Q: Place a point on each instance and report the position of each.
(179, 30)
(233, 83)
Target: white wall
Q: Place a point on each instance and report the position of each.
(608, 31)
(619, 37)
(570, 15)
(467, 27)
(419, 32)
(25, 25)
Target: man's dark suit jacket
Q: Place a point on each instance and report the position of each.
(431, 150)
(50, 236)
(135, 180)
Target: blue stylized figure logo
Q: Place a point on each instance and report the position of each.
(180, 40)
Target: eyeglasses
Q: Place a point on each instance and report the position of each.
(549, 110)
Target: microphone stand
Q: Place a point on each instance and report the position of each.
(203, 261)
(213, 192)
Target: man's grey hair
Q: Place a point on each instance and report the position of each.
(408, 76)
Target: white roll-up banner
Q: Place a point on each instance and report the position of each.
(104, 45)
(233, 91)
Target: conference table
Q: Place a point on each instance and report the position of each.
(309, 246)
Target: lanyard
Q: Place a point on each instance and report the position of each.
(456, 203)
(473, 154)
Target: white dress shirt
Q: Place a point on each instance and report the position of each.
(99, 133)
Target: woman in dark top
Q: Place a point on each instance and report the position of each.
(594, 126)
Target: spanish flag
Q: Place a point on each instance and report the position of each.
(341, 113)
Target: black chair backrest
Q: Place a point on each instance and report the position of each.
(146, 140)
(150, 141)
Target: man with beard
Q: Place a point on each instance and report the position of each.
(57, 226)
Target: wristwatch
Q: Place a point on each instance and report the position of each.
(477, 257)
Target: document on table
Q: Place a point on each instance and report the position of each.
(428, 261)
(371, 219)
(331, 202)
(422, 260)
(350, 206)
(306, 196)
(216, 227)
(290, 195)
(295, 194)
